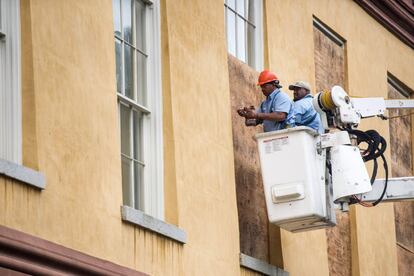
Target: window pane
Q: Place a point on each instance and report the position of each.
(141, 78)
(127, 19)
(241, 39)
(137, 125)
(127, 189)
(231, 4)
(118, 65)
(138, 186)
(240, 8)
(128, 67)
(231, 32)
(140, 25)
(117, 17)
(125, 129)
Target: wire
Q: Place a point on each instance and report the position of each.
(376, 146)
(365, 204)
(399, 116)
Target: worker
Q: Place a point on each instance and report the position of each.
(276, 112)
(305, 114)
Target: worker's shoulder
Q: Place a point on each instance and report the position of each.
(304, 103)
(282, 94)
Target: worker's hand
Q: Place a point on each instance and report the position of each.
(250, 113)
(241, 111)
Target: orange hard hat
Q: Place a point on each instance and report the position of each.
(266, 76)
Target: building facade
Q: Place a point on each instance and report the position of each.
(122, 154)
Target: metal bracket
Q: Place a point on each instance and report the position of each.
(330, 206)
(319, 148)
(398, 189)
(2, 36)
(328, 140)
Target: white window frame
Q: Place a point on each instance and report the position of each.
(152, 140)
(253, 45)
(10, 82)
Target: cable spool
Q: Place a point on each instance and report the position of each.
(326, 100)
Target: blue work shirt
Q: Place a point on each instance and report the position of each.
(306, 115)
(277, 101)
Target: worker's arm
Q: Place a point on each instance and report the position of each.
(274, 116)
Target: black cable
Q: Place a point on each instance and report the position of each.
(386, 181)
(376, 146)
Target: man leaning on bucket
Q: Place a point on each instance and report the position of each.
(305, 114)
(276, 112)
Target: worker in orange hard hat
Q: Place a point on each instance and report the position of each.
(276, 112)
(266, 77)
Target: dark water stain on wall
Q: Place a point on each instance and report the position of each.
(253, 222)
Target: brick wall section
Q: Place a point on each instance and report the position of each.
(401, 160)
(253, 221)
(330, 62)
(330, 70)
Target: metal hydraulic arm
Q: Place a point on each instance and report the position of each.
(339, 111)
(398, 189)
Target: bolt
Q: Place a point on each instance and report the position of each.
(347, 99)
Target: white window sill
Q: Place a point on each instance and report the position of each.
(261, 266)
(28, 176)
(145, 221)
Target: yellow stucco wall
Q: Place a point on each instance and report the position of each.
(371, 52)
(71, 135)
(71, 132)
(248, 272)
(202, 136)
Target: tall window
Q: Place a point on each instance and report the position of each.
(136, 31)
(10, 97)
(244, 30)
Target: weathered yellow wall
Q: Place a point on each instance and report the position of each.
(72, 136)
(73, 117)
(248, 272)
(70, 129)
(202, 136)
(371, 51)
(71, 132)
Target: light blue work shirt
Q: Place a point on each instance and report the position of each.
(277, 101)
(306, 115)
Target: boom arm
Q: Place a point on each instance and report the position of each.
(338, 110)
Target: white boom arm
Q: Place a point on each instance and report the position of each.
(398, 189)
(368, 107)
(337, 109)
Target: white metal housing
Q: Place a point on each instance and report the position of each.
(349, 175)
